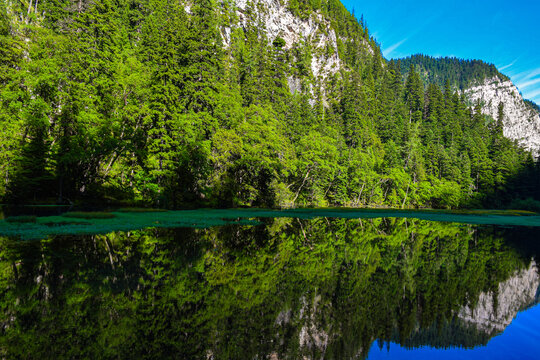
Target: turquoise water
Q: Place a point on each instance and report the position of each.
(263, 285)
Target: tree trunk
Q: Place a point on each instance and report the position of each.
(301, 186)
(406, 194)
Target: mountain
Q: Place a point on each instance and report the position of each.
(494, 311)
(476, 323)
(459, 73)
(237, 103)
(521, 118)
(482, 82)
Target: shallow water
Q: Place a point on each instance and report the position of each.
(277, 288)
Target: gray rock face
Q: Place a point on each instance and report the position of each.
(515, 294)
(521, 123)
(274, 19)
(278, 21)
(311, 336)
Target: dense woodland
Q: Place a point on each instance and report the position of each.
(142, 101)
(458, 72)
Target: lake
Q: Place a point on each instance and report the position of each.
(241, 284)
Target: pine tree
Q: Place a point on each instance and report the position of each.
(414, 95)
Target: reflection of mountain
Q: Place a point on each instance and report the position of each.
(496, 310)
(450, 334)
(289, 289)
(470, 327)
(476, 324)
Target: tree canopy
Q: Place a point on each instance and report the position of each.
(163, 103)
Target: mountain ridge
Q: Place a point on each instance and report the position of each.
(483, 82)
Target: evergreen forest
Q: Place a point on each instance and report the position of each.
(458, 72)
(174, 105)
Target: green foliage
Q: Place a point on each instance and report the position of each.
(458, 73)
(142, 102)
(532, 105)
(278, 42)
(525, 204)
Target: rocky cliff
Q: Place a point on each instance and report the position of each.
(481, 81)
(495, 311)
(278, 21)
(521, 120)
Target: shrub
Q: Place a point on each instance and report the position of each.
(526, 204)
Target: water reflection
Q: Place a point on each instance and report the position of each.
(325, 288)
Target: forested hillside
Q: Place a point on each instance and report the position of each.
(483, 83)
(459, 73)
(176, 104)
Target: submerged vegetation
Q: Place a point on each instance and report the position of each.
(101, 223)
(89, 215)
(140, 210)
(141, 101)
(21, 219)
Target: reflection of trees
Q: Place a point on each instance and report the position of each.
(290, 287)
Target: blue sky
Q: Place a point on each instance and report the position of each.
(505, 33)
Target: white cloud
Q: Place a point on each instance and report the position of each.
(533, 94)
(508, 65)
(388, 51)
(526, 75)
(528, 83)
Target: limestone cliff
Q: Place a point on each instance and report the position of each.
(495, 311)
(481, 81)
(275, 19)
(521, 121)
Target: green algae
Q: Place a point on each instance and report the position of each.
(89, 215)
(60, 225)
(21, 219)
(140, 210)
(205, 218)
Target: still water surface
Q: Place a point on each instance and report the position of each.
(289, 288)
